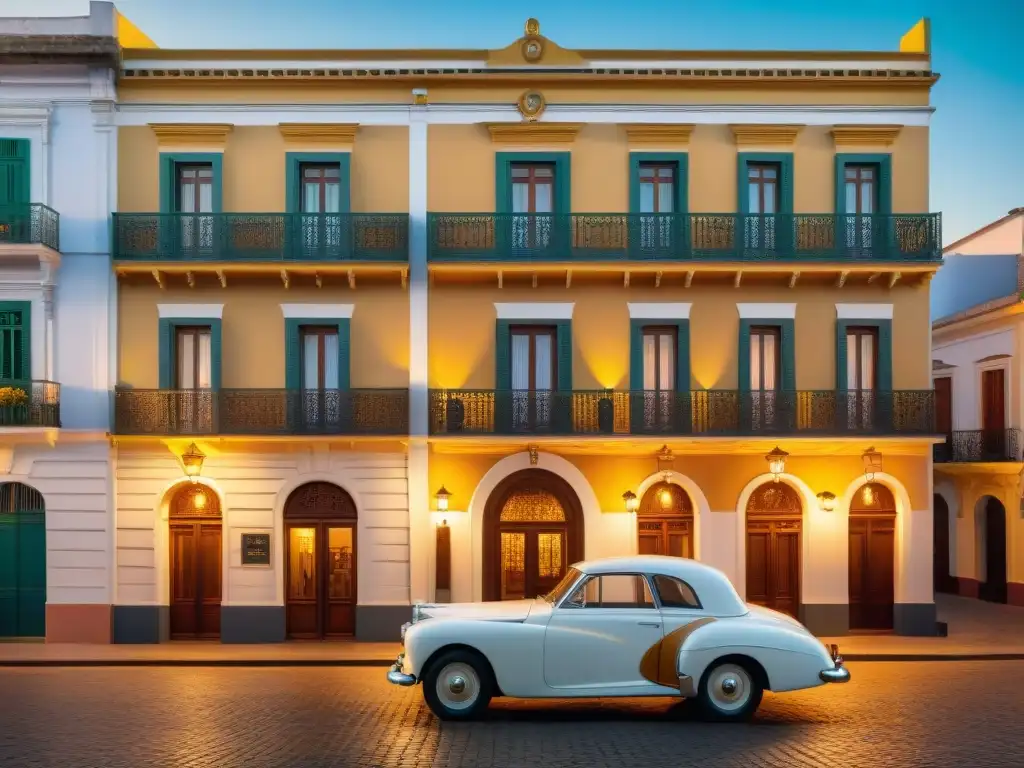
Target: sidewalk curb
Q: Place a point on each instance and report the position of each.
(283, 663)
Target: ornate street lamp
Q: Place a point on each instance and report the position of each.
(192, 461)
(827, 501)
(631, 501)
(872, 463)
(776, 462)
(442, 497)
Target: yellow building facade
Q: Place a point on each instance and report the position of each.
(400, 326)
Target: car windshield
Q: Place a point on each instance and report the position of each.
(563, 586)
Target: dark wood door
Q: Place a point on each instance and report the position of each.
(941, 578)
(944, 405)
(321, 582)
(994, 587)
(872, 555)
(993, 413)
(667, 536)
(773, 564)
(533, 560)
(195, 580)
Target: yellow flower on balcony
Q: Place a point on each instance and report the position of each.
(12, 396)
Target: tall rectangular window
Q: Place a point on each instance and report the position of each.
(660, 349)
(533, 192)
(320, 358)
(657, 188)
(765, 358)
(861, 376)
(194, 363)
(194, 195)
(534, 373)
(763, 188)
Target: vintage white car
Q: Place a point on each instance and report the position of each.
(629, 626)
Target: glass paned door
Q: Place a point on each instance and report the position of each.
(321, 206)
(320, 377)
(195, 197)
(660, 345)
(194, 379)
(765, 366)
(532, 562)
(861, 367)
(860, 201)
(762, 205)
(657, 198)
(533, 377)
(533, 193)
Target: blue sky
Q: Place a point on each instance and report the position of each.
(977, 152)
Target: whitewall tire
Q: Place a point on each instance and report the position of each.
(458, 685)
(729, 691)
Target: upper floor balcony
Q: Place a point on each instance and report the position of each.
(225, 238)
(979, 445)
(29, 403)
(696, 238)
(29, 224)
(701, 413)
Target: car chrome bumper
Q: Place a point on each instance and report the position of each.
(397, 677)
(835, 675)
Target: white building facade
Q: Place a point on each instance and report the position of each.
(57, 161)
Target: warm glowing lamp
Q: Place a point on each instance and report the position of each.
(872, 463)
(827, 501)
(199, 500)
(192, 461)
(631, 501)
(776, 462)
(442, 496)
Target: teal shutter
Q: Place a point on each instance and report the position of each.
(503, 356)
(884, 373)
(636, 375)
(215, 351)
(787, 337)
(563, 182)
(743, 382)
(15, 178)
(16, 340)
(292, 354)
(841, 352)
(344, 353)
(502, 183)
(563, 340)
(166, 345)
(785, 161)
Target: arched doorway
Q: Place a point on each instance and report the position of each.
(320, 562)
(872, 557)
(942, 579)
(22, 561)
(533, 530)
(774, 525)
(990, 521)
(665, 521)
(196, 563)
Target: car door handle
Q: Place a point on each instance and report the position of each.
(649, 623)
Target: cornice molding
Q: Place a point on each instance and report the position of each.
(659, 133)
(187, 134)
(865, 135)
(765, 135)
(319, 133)
(534, 133)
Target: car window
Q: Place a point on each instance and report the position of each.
(675, 593)
(614, 590)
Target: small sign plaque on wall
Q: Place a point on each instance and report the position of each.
(255, 549)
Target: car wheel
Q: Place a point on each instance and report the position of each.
(729, 691)
(458, 685)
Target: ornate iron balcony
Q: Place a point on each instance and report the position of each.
(261, 412)
(30, 224)
(710, 413)
(683, 237)
(271, 237)
(29, 403)
(977, 445)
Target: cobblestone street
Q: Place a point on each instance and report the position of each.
(900, 714)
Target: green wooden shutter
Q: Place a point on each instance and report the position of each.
(563, 339)
(292, 354)
(15, 177)
(841, 355)
(16, 340)
(787, 337)
(683, 356)
(743, 380)
(636, 375)
(503, 356)
(884, 374)
(215, 351)
(502, 183)
(785, 161)
(344, 353)
(166, 346)
(563, 182)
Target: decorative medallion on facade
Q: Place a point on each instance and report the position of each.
(532, 45)
(531, 105)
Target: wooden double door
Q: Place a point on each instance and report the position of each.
(196, 578)
(872, 583)
(773, 563)
(321, 579)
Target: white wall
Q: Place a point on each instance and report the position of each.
(965, 354)
(254, 488)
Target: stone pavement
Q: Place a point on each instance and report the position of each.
(894, 714)
(976, 630)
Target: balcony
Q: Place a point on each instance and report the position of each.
(29, 403)
(261, 237)
(693, 237)
(703, 413)
(29, 224)
(979, 445)
(261, 412)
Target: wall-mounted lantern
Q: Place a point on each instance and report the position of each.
(776, 462)
(441, 497)
(827, 501)
(192, 461)
(631, 501)
(872, 463)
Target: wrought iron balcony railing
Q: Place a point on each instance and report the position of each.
(683, 237)
(710, 413)
(29, 403)
(261, 237)
(261, 412)
(977, 445)
(30, 224)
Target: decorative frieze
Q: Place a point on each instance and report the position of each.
(209, 135)
(534, 133)
(846, 136)
(341, 135)
(765, 135)
(659, 134)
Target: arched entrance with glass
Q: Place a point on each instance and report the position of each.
(774, 526)
(22, 561)
(533, 529)
(196, 563)
(872, 559)
(990, 532)
(320, 562)
(665, 521)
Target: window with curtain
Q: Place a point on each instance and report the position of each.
(320, 358)
(762, 204)
(861, 367)
(533, 192)
(194, 363)
(861, 199)
(321, 204)
(533, 375)
(657, 197)
(659, 375)
(195, 196)
(765, 369)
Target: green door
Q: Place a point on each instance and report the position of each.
(22, 562)
(15, 215)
